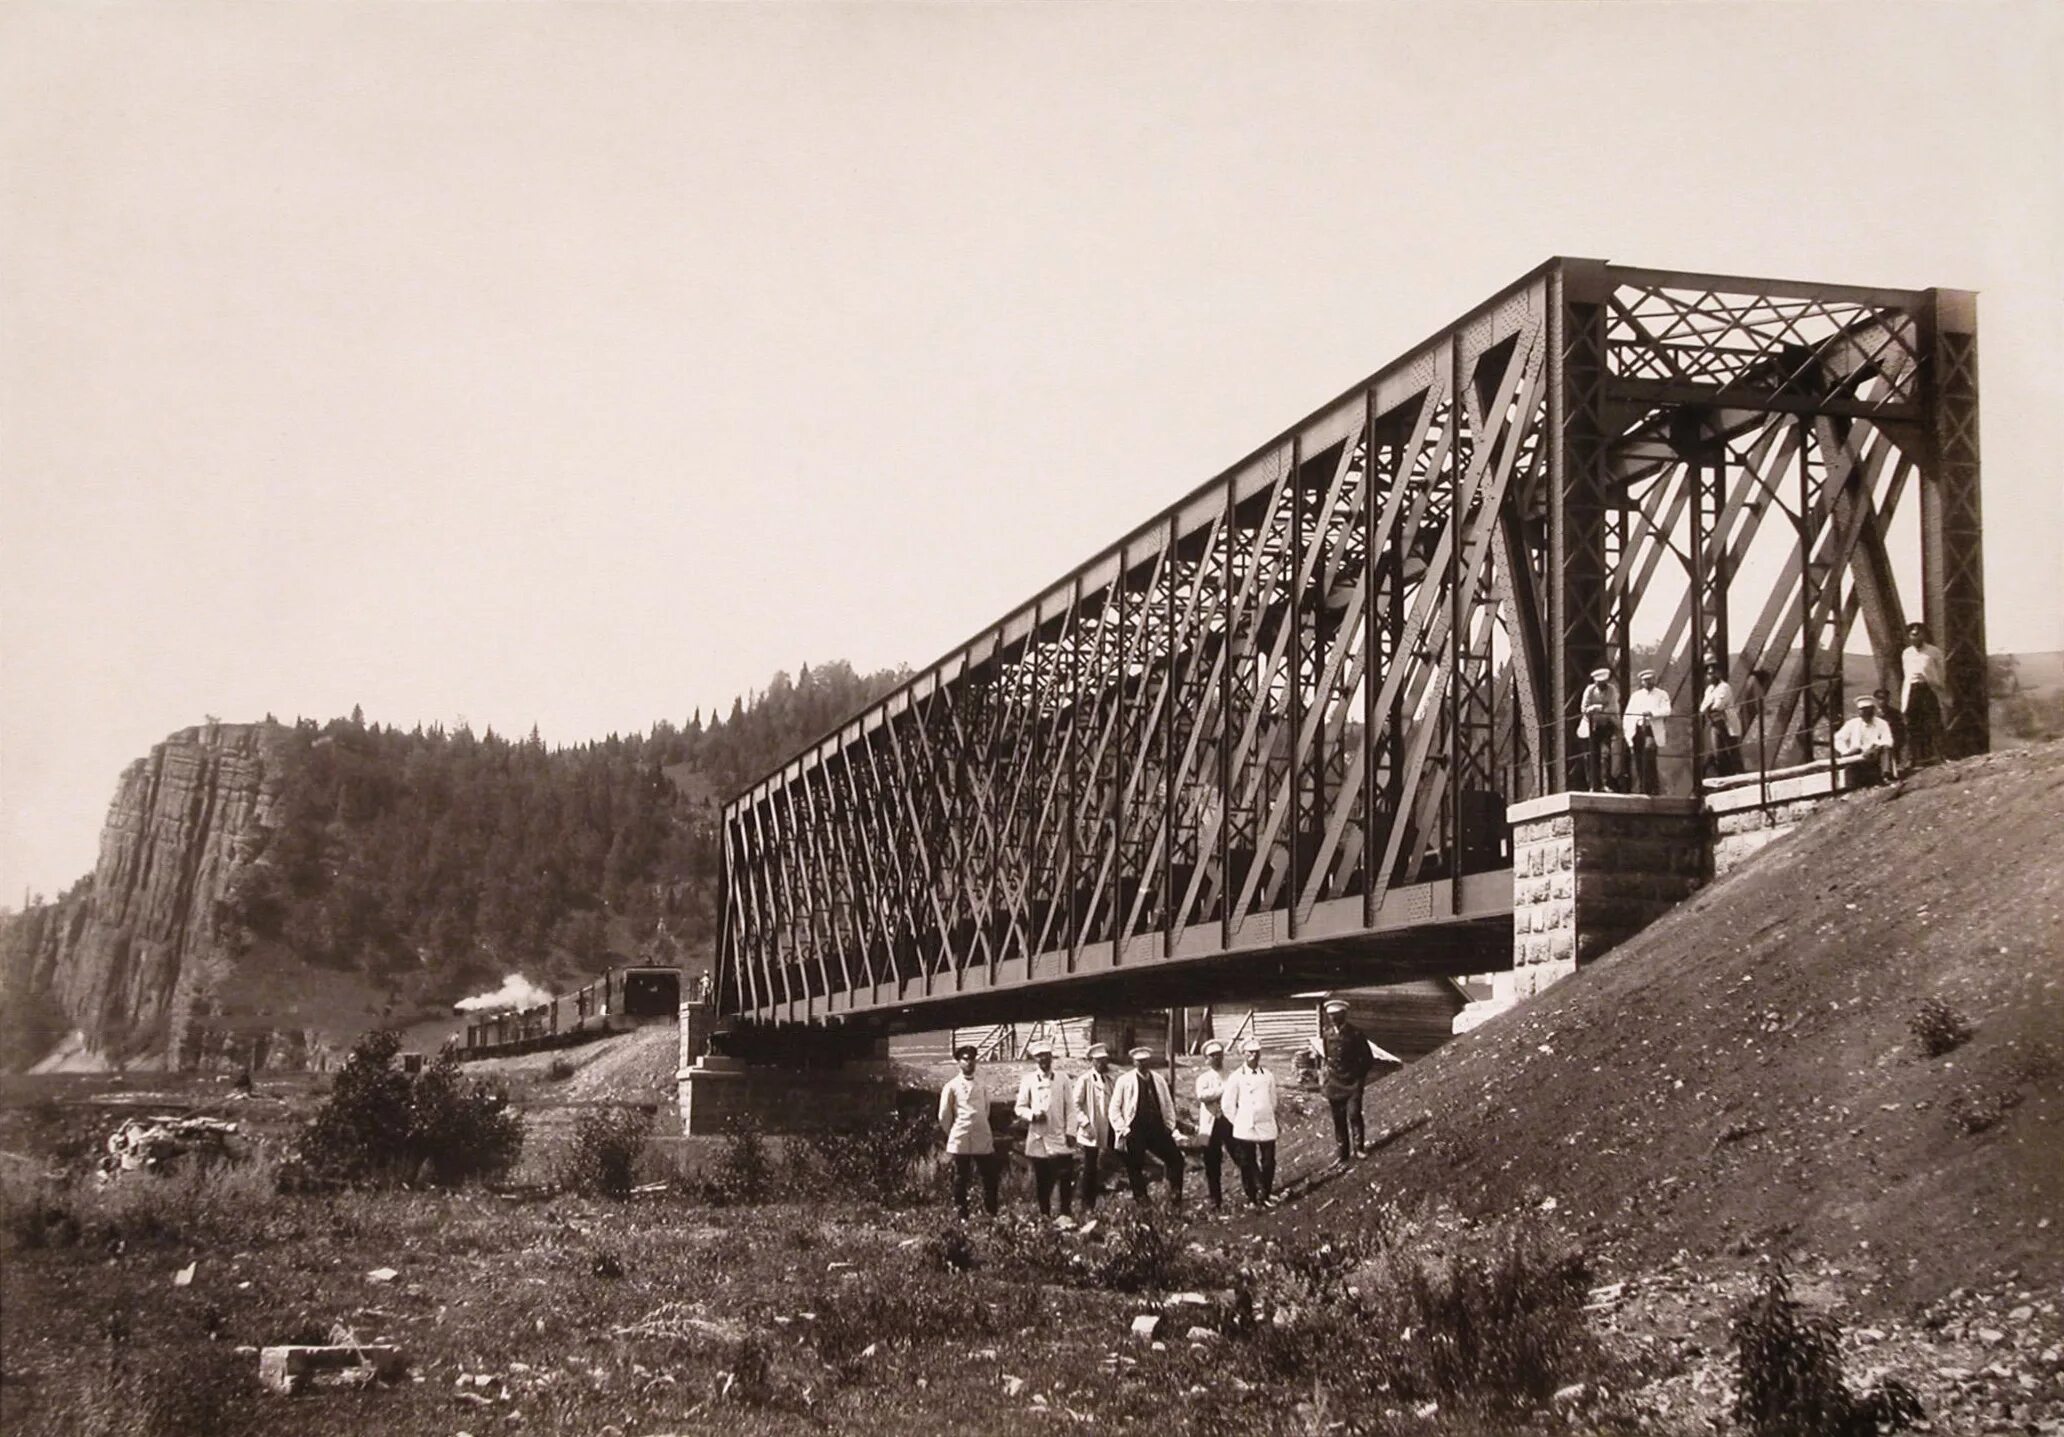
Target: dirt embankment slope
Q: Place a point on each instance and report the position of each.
(1741, 1078)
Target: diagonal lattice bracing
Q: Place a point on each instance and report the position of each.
(1276, 727)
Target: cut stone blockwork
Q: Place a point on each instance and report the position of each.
(1590, 870)
(720, 1095)
(1749, 816)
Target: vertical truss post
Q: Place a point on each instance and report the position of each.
(1069, 899)
(1461, 457)
(1224, 735)
(1373, 661)
(1295, 771)
(1707, 457)
(1952, 552)
(1578, 294)
(1170, 570)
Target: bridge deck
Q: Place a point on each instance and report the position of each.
(1444, 929)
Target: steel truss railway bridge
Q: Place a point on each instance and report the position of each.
(1267, 739)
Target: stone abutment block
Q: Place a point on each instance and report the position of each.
(1592, 870)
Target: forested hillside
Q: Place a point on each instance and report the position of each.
(446, 859)
(416, 866)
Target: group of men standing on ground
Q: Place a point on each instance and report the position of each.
(1076, 1130)
(1881, 738)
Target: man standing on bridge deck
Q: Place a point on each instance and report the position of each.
(1601, 704)
(964, 1114)
(1920, 696)
(1211, 1081)
(1716, 712)
(1143, 1123)
(1093, 1124)
(1047, 1109)
(1348, 1061)
(1647, 707)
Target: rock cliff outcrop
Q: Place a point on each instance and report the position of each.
(134, 953)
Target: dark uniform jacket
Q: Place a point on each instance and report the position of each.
(1348, 1060)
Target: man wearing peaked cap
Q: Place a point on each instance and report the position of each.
(1046, 1106)
(1600, 705)
(1647, 707)
(964, 1114)
(1143, 1124)
(1866, 740)
(1348, 1061)
(1211, 1080)
(1249, 1105)
(1093, 1124)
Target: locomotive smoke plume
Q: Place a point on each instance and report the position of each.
(516, 991)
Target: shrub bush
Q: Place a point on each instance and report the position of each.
(1788, 1370)
(1143, 1248)
(743, 1175)
(953, 1249)
(607, 1145)
(894, 1308)
(1493, 1328)
(381, 1127)
(1938, 1028)
(1028, 1247)
(1975, 1110)
(1500, 1325)
(885, 1162)
(558, 1070)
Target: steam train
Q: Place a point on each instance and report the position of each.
(621, 998)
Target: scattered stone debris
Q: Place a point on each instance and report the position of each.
(184, 1277)
(157, 1144)
(681, 1322)
(288, 1370)
(382, 1274)
(1147, 1326)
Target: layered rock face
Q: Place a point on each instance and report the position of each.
(130, 956)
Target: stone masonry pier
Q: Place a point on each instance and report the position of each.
(1590, 870)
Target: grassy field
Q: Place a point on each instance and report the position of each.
(1567, 1223)
(800, 1309)
(668, 1314)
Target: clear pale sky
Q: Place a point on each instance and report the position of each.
(583, 365)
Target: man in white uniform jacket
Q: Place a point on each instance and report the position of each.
(1143, 1124)
(1211, 1122)
(1647, 707)
(1046, 1107)
(1093, 1123)
(1867, 738)
(964, 1114)
(1248, 1102)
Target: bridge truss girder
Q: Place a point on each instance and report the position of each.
(1289, 711)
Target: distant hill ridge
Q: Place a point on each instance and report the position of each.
(266, 891)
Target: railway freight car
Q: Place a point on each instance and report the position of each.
(621, 998)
